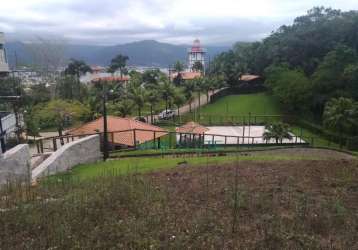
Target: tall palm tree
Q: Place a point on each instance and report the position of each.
(179, 99)
(118, 62)
(178, 66)
(125, 107)
(277, 131)
(138, 96)
(153, 97)
(189, 88)
(198, 66)
(340, 114)
(167, 92)
(77, 68)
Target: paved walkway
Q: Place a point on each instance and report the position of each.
(186, 108)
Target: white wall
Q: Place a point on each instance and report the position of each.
(15, 164)
(85, 150)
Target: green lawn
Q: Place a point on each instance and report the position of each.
(147, 164)
(257, 104)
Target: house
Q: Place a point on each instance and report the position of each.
(4, 67)
(123, 132)
(251, 79)
(117, 79)
(186, 75)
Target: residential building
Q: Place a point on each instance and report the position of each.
(4, 67)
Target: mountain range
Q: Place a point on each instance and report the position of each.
(143, 53)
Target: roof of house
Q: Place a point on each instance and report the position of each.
(248, 78)
(111, 79)
(143, 131)
(192, 127)
(185, 75)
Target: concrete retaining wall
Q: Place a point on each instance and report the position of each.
(15, 164)
(86, 150)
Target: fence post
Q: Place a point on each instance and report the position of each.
(41, 146)
(135, 138)
(154, 144)
(54, 144)
(225, 139)
(38, 147)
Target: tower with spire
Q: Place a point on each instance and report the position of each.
(196, 54)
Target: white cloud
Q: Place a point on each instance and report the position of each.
(105, 21)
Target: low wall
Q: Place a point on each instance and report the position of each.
(15, 164)
(85, 150)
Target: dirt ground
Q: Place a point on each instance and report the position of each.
(324, 154)
(300, 204)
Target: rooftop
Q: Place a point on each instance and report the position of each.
(144, 133)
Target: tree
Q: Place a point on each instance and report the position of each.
(178, 99)
(178, 66)
(75, 68)
(118, 62)
(340, 114)
(122, 108)
(198, 66)
(60, 113)
(153, 98)
(189, 89)
(277, 131)
(138, 96)
(167, 92)
(291, 87)
(68, 87)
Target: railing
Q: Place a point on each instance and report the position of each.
(139, 139)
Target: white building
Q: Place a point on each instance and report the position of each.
(196, 54)
(4, 67)
(7, 127)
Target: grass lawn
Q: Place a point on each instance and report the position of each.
(148, 164)
(257, 104)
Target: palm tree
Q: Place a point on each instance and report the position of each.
(167, 92)
(77, 68)
(198, 66)
(178, 66)
(125, 107)
(118, 62)
(179, 99)
(277, 131)
(189, 89)
(138, 96)
(340, 114)
(153, 97)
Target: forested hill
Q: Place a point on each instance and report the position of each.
(306, 64)
(142, 53)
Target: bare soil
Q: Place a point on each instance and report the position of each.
(309, 204)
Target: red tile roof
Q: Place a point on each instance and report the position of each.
(111, 79)
(248, 78)
(187, 75)
(192, 127)
(121, 124)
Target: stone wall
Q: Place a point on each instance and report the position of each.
(15, 164)
(85, 150)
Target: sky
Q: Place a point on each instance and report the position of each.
(110, 22)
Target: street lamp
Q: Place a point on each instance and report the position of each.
(105, 125)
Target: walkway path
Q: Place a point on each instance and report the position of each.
(186, 108)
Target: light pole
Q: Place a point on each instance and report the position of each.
(105, 128)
